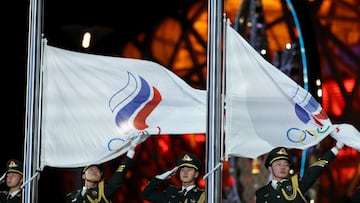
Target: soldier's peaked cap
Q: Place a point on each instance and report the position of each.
(189, 160)
(14, 166)
(277, 154)
(100, 167)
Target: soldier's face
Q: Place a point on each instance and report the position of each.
(13, 179)
(92, 174)
(188, 175)
(280, 169)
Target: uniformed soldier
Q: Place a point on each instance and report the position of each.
(98, 190)
(290, 188)
(14, 180)
(188, 165)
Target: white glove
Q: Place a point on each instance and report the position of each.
(167, 174)
(83, 191)
(339, 144)
(337, 147)
(139, 138)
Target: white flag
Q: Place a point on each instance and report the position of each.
(266, 109)
(92, 102)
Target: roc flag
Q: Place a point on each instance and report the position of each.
(92, 105)
(264, 107)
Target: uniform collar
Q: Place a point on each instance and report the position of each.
(274, 183)
(13, 193)
(188, 188)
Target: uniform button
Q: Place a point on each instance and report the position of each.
(278, 196)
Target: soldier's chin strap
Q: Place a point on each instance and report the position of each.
(212, 170)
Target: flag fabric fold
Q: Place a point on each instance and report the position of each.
(92, 105)
(265, 108)
(347, 134)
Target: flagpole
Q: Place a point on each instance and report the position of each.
(32, 100)
(214, 117)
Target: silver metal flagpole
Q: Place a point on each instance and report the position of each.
(32, 100)
(214, 117)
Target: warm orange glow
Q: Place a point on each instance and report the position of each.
(332, 100)
(164, 144)
(255, 169)
(198, 12)
(345, 175)
(201, 183)
(131, 51)
(165, 39)
(345, 30)
(347, 153)
(195, 139)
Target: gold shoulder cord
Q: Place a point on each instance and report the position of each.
(100, 196)
(201, 198)
(295, 184)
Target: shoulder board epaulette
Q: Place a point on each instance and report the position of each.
(74, 192)
(4, 192)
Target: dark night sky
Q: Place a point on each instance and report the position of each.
(14, 37)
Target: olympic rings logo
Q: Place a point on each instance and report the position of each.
(300, 136)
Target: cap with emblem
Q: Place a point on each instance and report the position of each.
(14, 166)
(277, 154)
(189, 160)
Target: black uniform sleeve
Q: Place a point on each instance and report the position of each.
(314, 171)
(262, 192)
(118, 177)
(74, 197)
(151, 192)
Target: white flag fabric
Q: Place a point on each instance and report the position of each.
(347, 134)
(92, 105)
(266, 109)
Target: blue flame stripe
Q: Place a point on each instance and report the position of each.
(128, 110)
